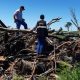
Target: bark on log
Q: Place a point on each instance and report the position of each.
(17, 30)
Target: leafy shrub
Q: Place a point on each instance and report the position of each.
(70, 74)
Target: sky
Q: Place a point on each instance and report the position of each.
(34, 8)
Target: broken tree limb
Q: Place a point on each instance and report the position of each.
(47, 72)
(2, 24)
(49, 41)
(53, 21)
(68, 42)
(32, 40)
(50, 22)
(17, 30)
(34, 68)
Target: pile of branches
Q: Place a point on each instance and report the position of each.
(21, 58)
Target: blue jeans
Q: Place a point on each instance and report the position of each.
(41, 46)
(19, 23)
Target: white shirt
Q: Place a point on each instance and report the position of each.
(18, 15)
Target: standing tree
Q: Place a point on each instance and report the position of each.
(67, 25)
(74, 19)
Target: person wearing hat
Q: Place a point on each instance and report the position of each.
(18, 19)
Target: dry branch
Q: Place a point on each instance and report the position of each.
(17, 30)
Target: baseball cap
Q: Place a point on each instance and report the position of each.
(22, 7)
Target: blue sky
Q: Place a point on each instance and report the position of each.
(34, 8)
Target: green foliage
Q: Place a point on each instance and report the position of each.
(41, 78)
(18, 77)
(62, 66)
(70, 74)
(68, 24)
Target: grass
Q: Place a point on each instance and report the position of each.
(70, 74)
(64, 73)
(18, 77)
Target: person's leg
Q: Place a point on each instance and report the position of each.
(18, 24)
(39, 47)
(24, 24)
(42, 46)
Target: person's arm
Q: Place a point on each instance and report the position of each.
(45, 23)
(15, 15)
(35, 26)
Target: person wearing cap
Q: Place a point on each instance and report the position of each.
(42, 33)
(18, 19)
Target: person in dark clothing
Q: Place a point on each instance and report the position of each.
(42, 21)
(42, 33)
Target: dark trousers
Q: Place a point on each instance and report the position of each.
(41, 46)
(19, 23)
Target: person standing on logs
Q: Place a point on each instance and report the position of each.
(18, 19)
(42, 33)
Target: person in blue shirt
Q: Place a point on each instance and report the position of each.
(18, 19)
